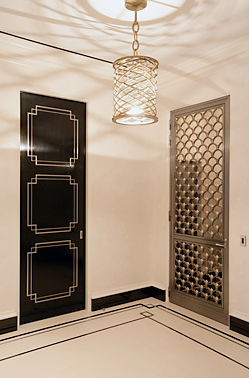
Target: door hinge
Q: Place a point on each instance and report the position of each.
(170, 140)
(170, 216)
(168, 292)
(170, 124)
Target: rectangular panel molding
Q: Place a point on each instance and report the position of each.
(128, 296)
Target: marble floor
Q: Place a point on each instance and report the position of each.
(144, 339)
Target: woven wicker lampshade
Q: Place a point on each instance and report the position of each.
(135, 83)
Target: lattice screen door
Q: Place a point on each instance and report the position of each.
(199, 208)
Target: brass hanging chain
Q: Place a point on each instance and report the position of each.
(135, 29)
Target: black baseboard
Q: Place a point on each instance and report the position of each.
(240, 326)
(8, 325)
(128, 296)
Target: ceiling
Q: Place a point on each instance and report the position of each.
(184, 35)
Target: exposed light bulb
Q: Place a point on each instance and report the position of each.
(135, 111)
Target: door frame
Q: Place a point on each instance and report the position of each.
(180, 298)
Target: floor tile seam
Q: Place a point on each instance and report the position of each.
(198, 342)
(207, 327)
(71, 339)
(71, 323)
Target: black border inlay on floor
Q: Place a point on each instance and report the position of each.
(46, 329)
(205, 326)
(71, 322)
(71, 339)
(145, 315)
(198, 342)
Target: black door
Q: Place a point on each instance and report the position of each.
(52, 231)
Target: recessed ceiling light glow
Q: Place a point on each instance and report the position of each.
(155, 9)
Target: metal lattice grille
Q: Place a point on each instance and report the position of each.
(199, 174)
(199, 270)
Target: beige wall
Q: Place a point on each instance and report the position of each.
(120, 171)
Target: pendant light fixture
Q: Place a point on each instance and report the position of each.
(135, 81)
